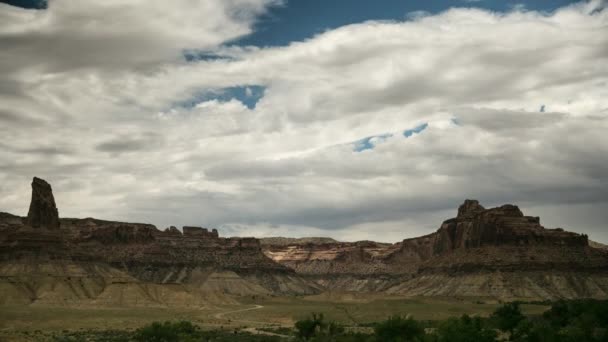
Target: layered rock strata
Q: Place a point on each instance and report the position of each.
(46, 260)
(497, 252)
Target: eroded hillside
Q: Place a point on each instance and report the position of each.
(48, 260)
(497, 252)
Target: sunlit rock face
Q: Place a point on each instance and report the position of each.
(497, 252)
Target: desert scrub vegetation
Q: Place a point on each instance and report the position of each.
(168, 331)
(565, 321)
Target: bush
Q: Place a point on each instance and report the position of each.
(167, 332)
(508, 316)
(316, 327)
(567, 321)
(534, 331)
(464, 329)
(399, 329)
(563, 313)
(307, 328)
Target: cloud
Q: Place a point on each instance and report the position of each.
(102, 117)
(119, 34)
(125, 143)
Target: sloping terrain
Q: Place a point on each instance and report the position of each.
(495, 252)
(598, 245)
(45, 260)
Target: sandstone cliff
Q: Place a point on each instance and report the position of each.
(497, 252)
(285, 241)
(48, 260)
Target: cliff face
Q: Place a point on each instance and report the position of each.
(481, 247)
(505, 225)
(45, 259)
(42, 231)
(496, 252)
(491, 237)
(135, 247)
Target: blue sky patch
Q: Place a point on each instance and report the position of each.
(30, 4)
(249, 95)
(409, 132)
(298, 20)
(368, 143)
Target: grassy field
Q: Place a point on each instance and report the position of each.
(253, 312)
(29, 318)
(366, 309)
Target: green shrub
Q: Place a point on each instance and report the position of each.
(508, 316)
(567, 321)
(316, 327)
(464, 329)
(399, 329)
(167, 332)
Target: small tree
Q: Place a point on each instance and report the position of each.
(399, 329)
(167, 332)
(309, 327)
(508, 316)
(464, 329)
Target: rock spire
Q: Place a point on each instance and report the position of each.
(43, 211)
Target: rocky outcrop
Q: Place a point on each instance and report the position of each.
(284, 241)
(469, 208)
(500, 229)
(505, 225)
(497, 243)
(43, 211)
(496, 252)
(199, 231)
(172, 231)
(343, 266)
(44, 259)
(332, 258)
(474, 227)
(38, 233)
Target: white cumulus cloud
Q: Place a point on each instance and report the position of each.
(90, 98)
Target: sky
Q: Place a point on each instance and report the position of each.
(349, 119)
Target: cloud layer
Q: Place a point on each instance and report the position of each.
(90, 100)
